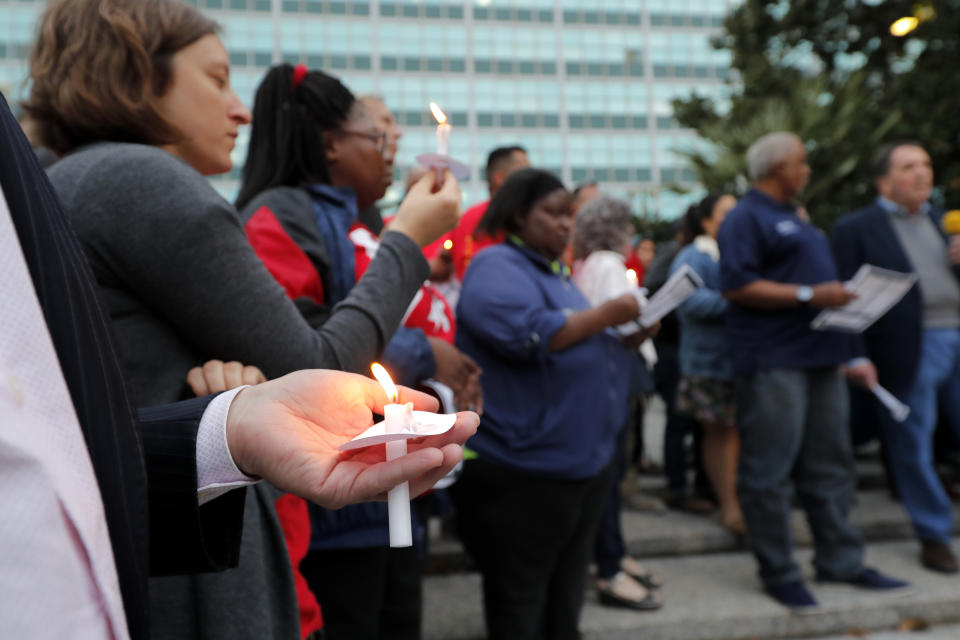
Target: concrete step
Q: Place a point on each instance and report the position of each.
(672, 533)
(909, 631)
(718, 597)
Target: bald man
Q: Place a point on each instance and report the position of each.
(777, 270)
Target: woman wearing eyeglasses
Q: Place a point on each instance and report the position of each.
(316, 158)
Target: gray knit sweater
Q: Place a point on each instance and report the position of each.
(182, 286)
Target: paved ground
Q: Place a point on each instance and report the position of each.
(712, 592)
(717, 597)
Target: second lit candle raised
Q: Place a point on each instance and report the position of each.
(441, 160)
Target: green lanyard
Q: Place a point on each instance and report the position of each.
(557, 267)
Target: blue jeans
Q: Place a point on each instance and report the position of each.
(910, 443)
(794, 434)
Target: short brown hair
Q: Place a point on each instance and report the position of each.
(883, 156)
(98, 66)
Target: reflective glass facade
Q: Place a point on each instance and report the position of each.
(586, 87)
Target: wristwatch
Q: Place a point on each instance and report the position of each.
(804, 295)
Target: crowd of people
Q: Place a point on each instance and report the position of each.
(240, 328)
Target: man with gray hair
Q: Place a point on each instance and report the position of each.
(914, 350)
(777, 270)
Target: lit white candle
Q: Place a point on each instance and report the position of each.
(631, 276)
(397, 420)
(443, 129)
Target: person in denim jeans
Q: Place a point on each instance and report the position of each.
(777, 271)
(914, 350)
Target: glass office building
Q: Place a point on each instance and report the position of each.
(584, 86)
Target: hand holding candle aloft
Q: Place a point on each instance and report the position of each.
(427, 213)
(288, 431)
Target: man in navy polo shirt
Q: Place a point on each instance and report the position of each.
(778, 272)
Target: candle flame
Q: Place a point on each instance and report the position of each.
(448, 244)
(438, 113)
(903, 26)
(384, 379)
(631, 275)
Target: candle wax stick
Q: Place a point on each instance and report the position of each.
(397, 418)
(443, 138)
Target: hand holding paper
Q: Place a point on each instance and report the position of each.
(671, 295)
(877, 290)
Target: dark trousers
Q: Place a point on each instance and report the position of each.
(609, 549)
(678, 427)
(366, 594)
(531, 538)
(796, 420)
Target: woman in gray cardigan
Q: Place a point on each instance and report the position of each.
(136, 96)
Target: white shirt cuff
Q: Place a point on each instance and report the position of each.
(217, 473)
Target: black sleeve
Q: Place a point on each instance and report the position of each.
(81, 337)
(185, 538)
(847, 255)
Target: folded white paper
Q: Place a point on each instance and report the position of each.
(897, 409)
(671, 295)
(423, 423)
(877, 291)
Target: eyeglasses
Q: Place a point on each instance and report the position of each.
(380, 138)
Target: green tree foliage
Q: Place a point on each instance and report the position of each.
(830, 71)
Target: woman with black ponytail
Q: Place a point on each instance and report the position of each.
(317, 158)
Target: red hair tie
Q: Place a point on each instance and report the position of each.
(299, 70)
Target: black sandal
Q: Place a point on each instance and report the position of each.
(652, 601)
(648, 579)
